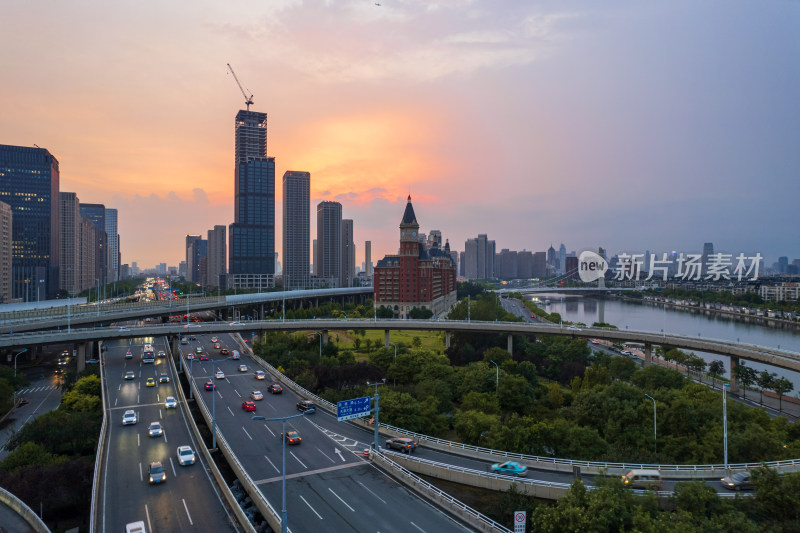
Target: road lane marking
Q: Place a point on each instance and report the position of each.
(160, 415)
(141, 478)
(341, 500)
(326, 455)
(298, 460)
(270, 431)
(115, 401)
(220, 394)
(137, 398)
(165, 438)
(187, 510)
(138, 439)
(174, 473)
(229, 410)
(273, 466)
(367, 489)
(416, 526)
(309, 506)
(237, 392)
(147, 512)
(246, 433)
(306, 473)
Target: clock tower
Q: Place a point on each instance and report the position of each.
(409, 229)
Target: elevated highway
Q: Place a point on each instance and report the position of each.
(776, 357)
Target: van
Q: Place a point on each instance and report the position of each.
(135, 527)
(642, 479)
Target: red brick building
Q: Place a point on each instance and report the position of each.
(416, 277)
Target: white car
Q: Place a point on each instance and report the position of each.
(242, 368)
(155, 429)
(129, 417)
(186, 455)
(256, 395)
(220, 374)
(214, 339)
(170, 402)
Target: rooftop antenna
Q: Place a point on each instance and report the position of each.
(248, 100)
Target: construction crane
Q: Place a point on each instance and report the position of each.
(248, 100)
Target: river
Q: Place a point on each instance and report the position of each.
(626, 314)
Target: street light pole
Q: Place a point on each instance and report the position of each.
(15, 360)
(284, 517)
(320, 344)
(497, 377)
(655, 445)
(377, 408)
(395, 350)
(725, 421)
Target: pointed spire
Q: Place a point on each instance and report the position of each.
(408, 216)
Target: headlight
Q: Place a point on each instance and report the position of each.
(151, 479)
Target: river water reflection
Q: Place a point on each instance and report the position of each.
(657, 318)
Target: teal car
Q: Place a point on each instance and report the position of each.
(511, 468)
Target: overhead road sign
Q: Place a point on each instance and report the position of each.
(354, 408)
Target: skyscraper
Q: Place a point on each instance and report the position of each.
(70, 274)
(29, 183)
(368, 258)
(348, 254)
(191, 266)
(329, 242)
(252, 234)
(6, 239)
(97, 214)
(217, 265)
(112, 234)
(479, 257)
(296, 228)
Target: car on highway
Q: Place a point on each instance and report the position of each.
(162, 353)
(203, 357)
(135, 527)
(210, 385)
(256, 395)
(170, 402)
(194, 337)
(402, 444)
(306, 406)
(214, 339)
(510, 467)
(235, 354)
(163, 378)
(217, 346)
(199, 349)
(242, 368)
(130, 375)
(260, 374)
(184, 340)
(190, 356)
(155, 429)
(275, 388)
(738, 481)
(224, 351)
(151, 382)
(249, 405)
(293, 437)
(574, 328)
(186, 455)
(129, 417)
(92, 361)
(156, 473)
(220, 374)
(128, 355)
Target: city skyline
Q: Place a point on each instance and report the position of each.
(632, 127)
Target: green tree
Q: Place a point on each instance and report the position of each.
(472, 425)
(515, 393)
(765, 380)
(781, 386)
(745, 375)
(555, 396)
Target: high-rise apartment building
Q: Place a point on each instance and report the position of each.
(217, 264)
(70, 274)
(296, 228)
(97, 214)
(479, 256)
(539, 265)
(88, 254)
(191, 266)
(6, 240)
(112, 234)
(251, 237)
(348, 254)
(368, 258)
(29, 183)
(329, 243)
(199, 255)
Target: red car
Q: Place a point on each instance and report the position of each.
(204, 357)
(275, 388)
(210, 385)
(224, 351)
(293, 437)
(249, 405)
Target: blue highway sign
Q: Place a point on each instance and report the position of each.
(355, 408)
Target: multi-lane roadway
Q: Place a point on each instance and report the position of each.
(188, 499)
(329, 486)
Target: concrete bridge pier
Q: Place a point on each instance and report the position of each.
(386, 338)
(175, 345)
(324, 336)
(648, 354)
(446, 339)
(81, 356)
(510, 345)
(734, 384)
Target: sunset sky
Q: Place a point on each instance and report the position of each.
(624, 124)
